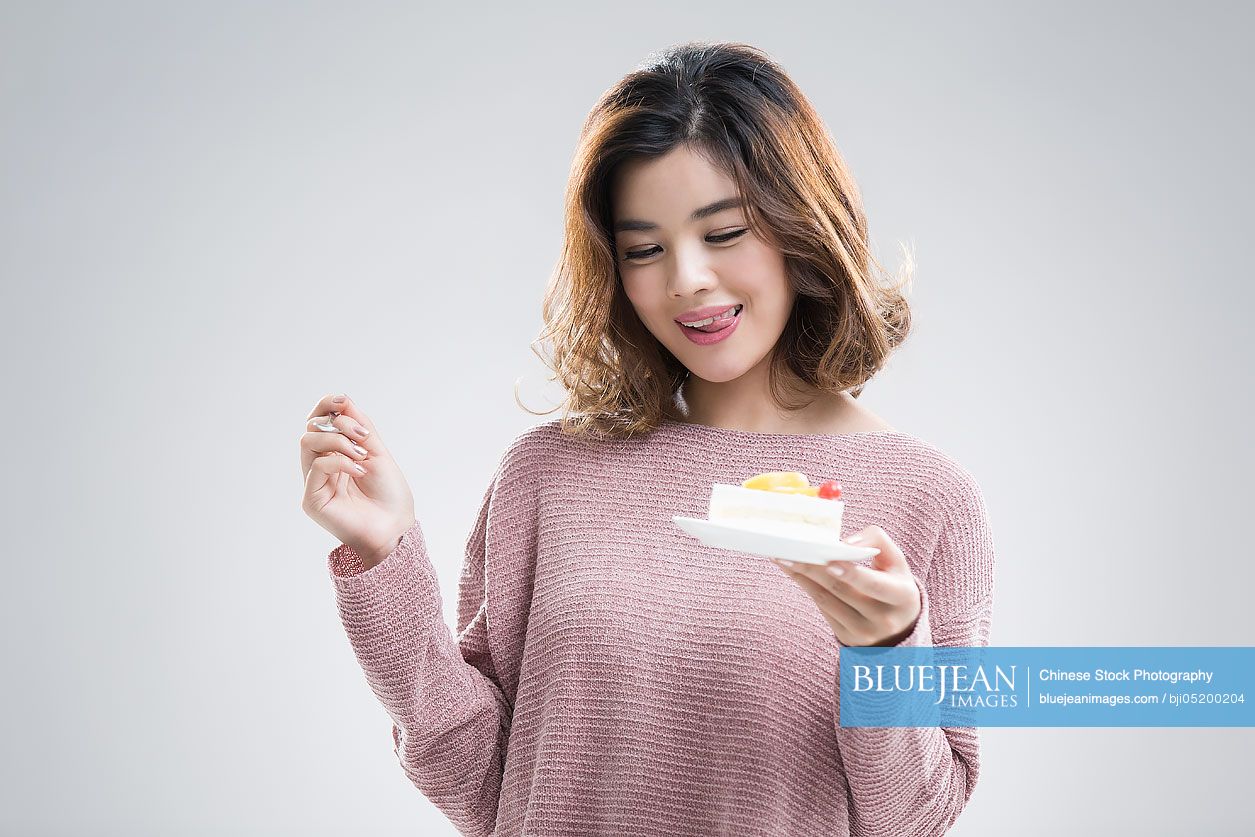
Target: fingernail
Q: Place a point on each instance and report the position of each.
(854, 539)
(361, 431)
(836, 569)
(338, 399)
(784, 563)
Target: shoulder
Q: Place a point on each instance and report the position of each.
(952, 490)
(961, 570)
(540, 447)
(549, 439)
(532, 441)
(546, 449)
(527, 452)
(963, 545)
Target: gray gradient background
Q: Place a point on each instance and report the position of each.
(212, 215)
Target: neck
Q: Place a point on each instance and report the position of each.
(735, 405)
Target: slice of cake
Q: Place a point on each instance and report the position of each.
(781, 503)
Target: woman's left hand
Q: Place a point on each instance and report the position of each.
(865, 605)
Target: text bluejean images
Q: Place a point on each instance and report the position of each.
(1047, 686)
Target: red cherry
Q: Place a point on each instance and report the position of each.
(830, 490)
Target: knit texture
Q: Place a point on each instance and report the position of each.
(611, 674)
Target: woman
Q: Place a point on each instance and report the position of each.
(609, 673)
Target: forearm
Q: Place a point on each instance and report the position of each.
(449, 719)
(913, 780)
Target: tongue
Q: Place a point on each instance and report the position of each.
(717, 325)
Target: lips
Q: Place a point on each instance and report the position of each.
(715, 332)
(704, 312)
(714, 321)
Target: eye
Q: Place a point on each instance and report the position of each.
(635, 255)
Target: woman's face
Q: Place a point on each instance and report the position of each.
(672, 263)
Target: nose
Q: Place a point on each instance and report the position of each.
(691, 272)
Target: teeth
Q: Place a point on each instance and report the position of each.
(731, 312)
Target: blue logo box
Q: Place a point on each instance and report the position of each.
(990, 686)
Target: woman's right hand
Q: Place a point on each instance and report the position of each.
(368, 510)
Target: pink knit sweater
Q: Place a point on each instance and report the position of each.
(612, 675)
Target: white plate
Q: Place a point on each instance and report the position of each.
(742, 539)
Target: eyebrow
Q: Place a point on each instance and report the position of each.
(698, 214)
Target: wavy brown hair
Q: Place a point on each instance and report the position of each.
(733, 104)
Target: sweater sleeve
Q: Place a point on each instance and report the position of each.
(915, 781)
(450, 697)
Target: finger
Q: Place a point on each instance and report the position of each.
(335, 423)
(317, 443)
(826, 577)
(869, 582)
(337, 463)
(326, 469)
(328, 405)
(346, 423)
(833, 608)
(888, 556)
(333, 427)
